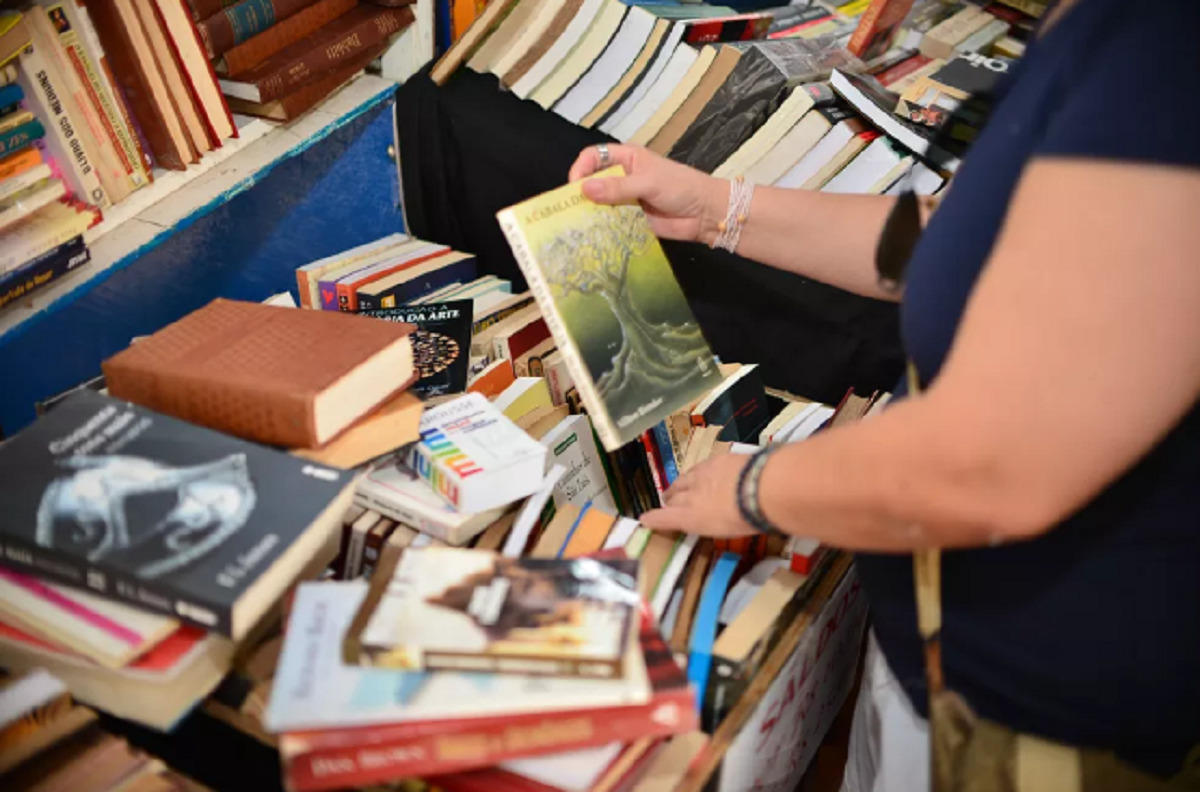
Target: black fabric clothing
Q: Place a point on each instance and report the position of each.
(469, 149)
(1089, 634)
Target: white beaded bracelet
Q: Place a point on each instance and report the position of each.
(741, 193)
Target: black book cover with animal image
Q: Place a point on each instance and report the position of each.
(441, 343)
(474, 610)
(168, 516)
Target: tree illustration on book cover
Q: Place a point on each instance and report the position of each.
(622, 305)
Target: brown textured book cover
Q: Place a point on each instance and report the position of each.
(311, 59)
(203, 9)
(713, 79)
(562, 18)
(132, 64)
(249, 369)
(304, 98)
(223, 31)
(255, 50)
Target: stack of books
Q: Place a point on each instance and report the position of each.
(49, 742)
(278, 58)
(714, 94)
(153, 528)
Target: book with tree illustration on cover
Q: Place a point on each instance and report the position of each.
(475, 610)
(612, 303)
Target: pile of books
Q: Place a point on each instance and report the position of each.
(792, 101)
(278, 58)
(49, 742)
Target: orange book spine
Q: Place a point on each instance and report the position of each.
(16, 164)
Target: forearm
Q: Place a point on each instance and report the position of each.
(826, 237)
(903, 480)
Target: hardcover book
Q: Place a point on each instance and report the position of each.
(106, 496)
(303, 23)
(614, 307)
(231, 26)
(309, 59)
(440, 343)
(275, 375)
(474, 457)
(476, 610)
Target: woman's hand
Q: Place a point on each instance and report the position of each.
(704, 500)
(682, 202)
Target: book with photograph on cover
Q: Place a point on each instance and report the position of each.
(107, 496)
(613, 305)
(455, 608)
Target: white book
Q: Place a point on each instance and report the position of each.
(621, 533)
(580, 59)
(799, 102)
(662, 112)
(395, 491)
(572, 445)
(812, 162)
(19, 205)
(798, 141)
(609, 68)
(314, 689)
(670, 575)
(25, 694)
(673, 73)
(571, 771)
(532, 30)
(671, 42)
(475, 457)
(562, 46)
(879, 162)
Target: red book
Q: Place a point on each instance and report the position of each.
(743, 27)
(340, 758)
(520, 342)
(877, 27)
(657, 474)
(230, 26)
(901, 70)
(347, 289)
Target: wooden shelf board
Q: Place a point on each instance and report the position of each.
(178, 199)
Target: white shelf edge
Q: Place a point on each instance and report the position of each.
(126, 235)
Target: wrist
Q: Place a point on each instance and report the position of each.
(715, 205)
(750, 493)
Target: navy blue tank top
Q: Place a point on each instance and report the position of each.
(1089, 634)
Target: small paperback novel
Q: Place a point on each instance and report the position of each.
(109, 497)
(613, 305)
(441, 343)
(475, 610)
(475, 457)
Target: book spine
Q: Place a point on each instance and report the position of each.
(239, 22)
(651, 454)
(10, 95)
(396, 510)
(48, 238)
(370, 31)
(518, 664)
(203, 9)
(496, 318)
(15, 164)
(601, 420)
(159, 596)
(427, 461)
(666, 453)
(19, 138)
(43, 270)
(62, 138)
(369, 756)
(91, 131)
(726, 684)
(98, 94)
(257, 49)
(92, 43)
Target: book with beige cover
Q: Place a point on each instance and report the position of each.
(275, 375)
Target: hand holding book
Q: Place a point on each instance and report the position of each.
(681, 202)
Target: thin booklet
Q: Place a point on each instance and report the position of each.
(612, 303)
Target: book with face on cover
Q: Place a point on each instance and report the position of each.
(612, 303)
(105, 496)
(475, 610)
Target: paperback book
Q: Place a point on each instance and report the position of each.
(441, 343)
(109, 497)
(613, 305)
(474, 610)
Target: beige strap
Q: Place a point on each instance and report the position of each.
(1044, 766)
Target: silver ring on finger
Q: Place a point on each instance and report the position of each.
(605, 155)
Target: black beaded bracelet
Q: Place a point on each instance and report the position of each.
(748, 492)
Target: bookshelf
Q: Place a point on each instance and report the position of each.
(235, 225)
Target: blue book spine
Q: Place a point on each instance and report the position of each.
(21, 136)
(666, 452)
(461, 271)
(43, 270)
(10, 94)
(704, 631)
